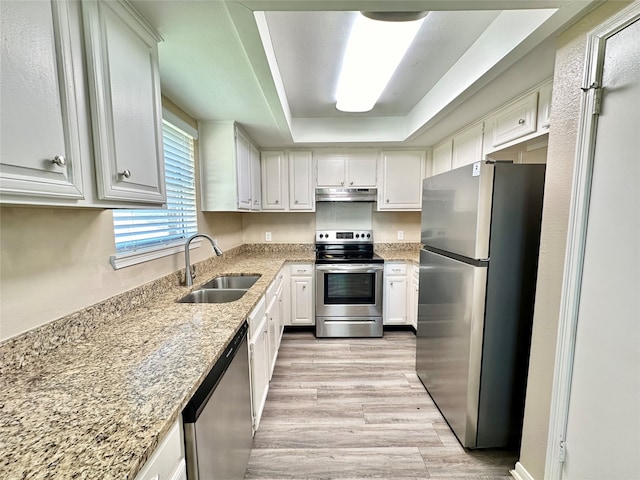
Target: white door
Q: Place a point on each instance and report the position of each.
(603, 423)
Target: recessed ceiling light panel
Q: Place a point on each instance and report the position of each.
(374, 51)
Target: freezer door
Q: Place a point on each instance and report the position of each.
(449, 339)
(456, 210)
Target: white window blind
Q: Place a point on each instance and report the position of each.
(141, 231)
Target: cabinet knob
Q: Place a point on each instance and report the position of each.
(387, 200)
(126, 173)
(351, 183)
(304, 287)
(277, 202)
(521, 121)
(59, 160)
(296, 202)
(342, 183)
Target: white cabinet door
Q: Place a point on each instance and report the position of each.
(273, 326)
(124, 81)
(259, 365)
(167, 461)
(402, 174)
(441, 160)
(301, 191)
(40, 147)
(274, 181)
(302, 299)
(361, 171)
(395, 300)
(243, 165)
(256, 190)
(467, 146)
(544, 107)
(515, 120)
(332, 171)
(413, 296)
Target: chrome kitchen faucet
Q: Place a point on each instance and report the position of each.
(190, 272)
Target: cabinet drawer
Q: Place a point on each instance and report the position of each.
(395, 269)
(301, 269)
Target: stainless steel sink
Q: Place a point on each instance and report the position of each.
(232, 281)
(208, 295)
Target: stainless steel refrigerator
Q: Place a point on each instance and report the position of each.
(480, 233)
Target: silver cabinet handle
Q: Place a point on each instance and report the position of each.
(126, 173)
(521, 121)
(59, 160)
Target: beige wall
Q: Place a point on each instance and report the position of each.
(568, 77)
(55, 261)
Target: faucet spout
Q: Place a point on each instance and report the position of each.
(190, 273)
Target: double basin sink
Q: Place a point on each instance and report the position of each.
(221, 289)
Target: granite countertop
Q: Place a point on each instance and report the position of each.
(96, 408)
(97, 404)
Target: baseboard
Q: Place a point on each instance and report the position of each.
(520, 473)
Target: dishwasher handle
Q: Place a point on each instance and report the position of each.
(200, 398)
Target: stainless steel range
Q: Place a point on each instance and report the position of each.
(348, 284)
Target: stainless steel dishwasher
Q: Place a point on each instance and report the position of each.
(217, 419)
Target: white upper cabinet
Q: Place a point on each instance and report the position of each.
(350, 170)
(515, 120)
(50, 154)
(467, 146)
(124, 91)
(301, 191)
(40, 148)
(402, 172)
(441, 157)
(275, 183)
(525, 118)
(256, 185)
(230, 168)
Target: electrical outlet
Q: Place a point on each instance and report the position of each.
(400, 235)
(267, 236)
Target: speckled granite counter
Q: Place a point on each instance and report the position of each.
(91, 396)
(399, 252)
(95, 406)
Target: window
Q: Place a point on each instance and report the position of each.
(145, 234)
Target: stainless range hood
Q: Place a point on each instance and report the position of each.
(346, 194)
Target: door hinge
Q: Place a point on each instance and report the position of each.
(597, 96)
(562, 451)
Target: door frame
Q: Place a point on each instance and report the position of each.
(577, 234)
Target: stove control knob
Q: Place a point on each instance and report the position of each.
(368, 235)
(321, 235)
(357, 235)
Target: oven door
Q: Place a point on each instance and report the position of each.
(349, 290)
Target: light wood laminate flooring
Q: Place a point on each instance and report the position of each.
(355, 409)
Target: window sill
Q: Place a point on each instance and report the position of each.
(127, 259)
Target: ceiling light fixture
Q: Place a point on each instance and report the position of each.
(374, 51)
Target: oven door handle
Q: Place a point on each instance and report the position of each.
(350, 268)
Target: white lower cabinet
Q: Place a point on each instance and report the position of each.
(258, 360)
(302, 295)
(395, 294)
(167, 462)
(413, 296)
